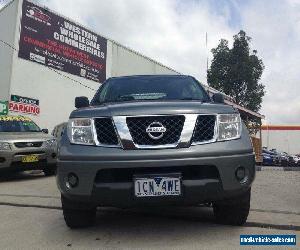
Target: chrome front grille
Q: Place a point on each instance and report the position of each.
(155, 131)
(105, 130)
(204, 128)
(172, 127)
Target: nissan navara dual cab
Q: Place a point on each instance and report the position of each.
(24, 146)
(154, 141)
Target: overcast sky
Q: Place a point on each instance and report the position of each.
(173, 32)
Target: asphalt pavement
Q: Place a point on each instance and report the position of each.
(31, 218)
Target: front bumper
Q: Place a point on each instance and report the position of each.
(11, 160)
(87, 161)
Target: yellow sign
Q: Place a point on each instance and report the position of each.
(7, 118)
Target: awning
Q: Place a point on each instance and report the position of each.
(229, 100)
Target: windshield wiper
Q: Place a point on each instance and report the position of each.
(189, 99)
(131, 98)
(125, 98)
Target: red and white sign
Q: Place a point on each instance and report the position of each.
(24, 108)
(56, 42)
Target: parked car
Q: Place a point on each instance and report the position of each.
(294, 160)
(291, 161)
(283, 158)
(155, 141)
(24, 146)
(275, 157)
(268, 159)
(58, 131)
(297, 159)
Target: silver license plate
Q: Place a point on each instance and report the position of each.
(157, 186)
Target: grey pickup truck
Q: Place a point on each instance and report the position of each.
(154, 140)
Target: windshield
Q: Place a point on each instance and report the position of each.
(17, 124)
(150, 88)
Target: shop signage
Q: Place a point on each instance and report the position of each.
(24, 108)
(3, 108)
(25, 105)
(56, 42)
(17, 98)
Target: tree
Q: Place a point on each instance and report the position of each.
(237, 72)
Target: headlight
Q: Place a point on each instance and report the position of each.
(50, 143)
(4, 146)
(229, 126)
(80, 131)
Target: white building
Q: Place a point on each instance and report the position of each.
(55, 89)
(46, 60)
(282, 137)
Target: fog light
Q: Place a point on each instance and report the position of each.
(72, 180)
(240, 173)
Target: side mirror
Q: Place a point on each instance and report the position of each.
(218, 98)
(45, 130)
(81, 102)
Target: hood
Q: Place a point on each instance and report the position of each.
(24, 136)
(152, 108)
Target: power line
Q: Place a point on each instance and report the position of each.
(56, 71)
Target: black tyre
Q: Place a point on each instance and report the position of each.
(234, 211)
(77, 215)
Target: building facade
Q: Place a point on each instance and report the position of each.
(38, 84)
(46, 60)
(282, 137)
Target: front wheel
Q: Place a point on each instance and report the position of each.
(234, 211)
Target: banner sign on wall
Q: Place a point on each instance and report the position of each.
(3, 108)
(25, 105)
(24, 108)
(26, 100)
(54, 41)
